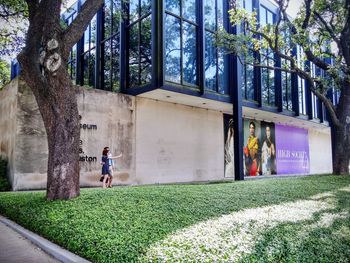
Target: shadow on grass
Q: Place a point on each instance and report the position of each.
(324, 238)
(120, 224)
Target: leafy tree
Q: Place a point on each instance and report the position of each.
(13, 15)
(44, 68)
(4, 73)
(321, 30)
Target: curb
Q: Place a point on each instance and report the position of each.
(52, 249)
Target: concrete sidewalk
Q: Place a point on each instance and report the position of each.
(20, 245)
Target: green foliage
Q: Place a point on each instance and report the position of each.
(4, 73)
(13, 18)
(120, 224)
(4, 184)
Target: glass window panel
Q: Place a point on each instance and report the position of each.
(209, 14)
(116, 17)
(271, 83)
(146, 50)
(262, 15)
(115, 64)
(108, 19)
(87, 38)
(134, 55)
(210, 62)
(248, 5)
(146, 6)
(133, 10)
(92, 61)
(107, 65)
(172, 49)
(189, 10)
(93, 27)
(269, 18)
(86, 69)
(189, 53)
(220, 12)
(223, 87)
(173, 6)
(250, 82)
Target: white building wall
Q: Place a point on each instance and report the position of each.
(177, 143)
(320, 148)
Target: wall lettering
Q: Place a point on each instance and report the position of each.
(83, 157)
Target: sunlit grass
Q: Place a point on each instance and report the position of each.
(287, 219)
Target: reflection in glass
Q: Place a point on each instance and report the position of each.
(222, 79)
(145, 7)
(220, 14)
(189, 53)
(133, 10)
(172, 49)
(209, 14)
(173, 6)
(189, 10)
(133, 55)
(145, 50)
(210, 62)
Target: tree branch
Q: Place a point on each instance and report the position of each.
(327, 27)
(75, 30)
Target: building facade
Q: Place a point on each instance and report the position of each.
(178, 107)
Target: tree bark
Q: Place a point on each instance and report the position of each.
(63, 133)
(341, 136)
(58, 107)
(44, 68)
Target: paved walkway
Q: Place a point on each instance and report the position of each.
(16, 248)
(18, 244)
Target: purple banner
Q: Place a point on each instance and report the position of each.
(292, 150)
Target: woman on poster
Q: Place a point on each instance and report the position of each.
(268, 153)
(251, 152)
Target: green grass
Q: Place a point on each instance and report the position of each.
(122, 223)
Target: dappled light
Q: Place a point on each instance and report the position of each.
(231, 237)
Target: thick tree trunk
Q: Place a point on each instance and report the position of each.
(61, 120)
(341, 151)
(63, 133)
(341, 134)
(56, 98)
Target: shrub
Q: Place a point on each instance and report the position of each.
(4, 184)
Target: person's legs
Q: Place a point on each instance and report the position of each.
(110, 177)
(104, 184)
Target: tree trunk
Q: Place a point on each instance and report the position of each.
(58, 107)
(63, 133)
(341, 134)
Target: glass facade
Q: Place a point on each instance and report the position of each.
(268, 93)
(215, 60)
(110, 46)
(181, 36)
(116, 53)
(139, 40)
(247, 71)
(301, 84)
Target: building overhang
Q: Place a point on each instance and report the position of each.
(189, 100)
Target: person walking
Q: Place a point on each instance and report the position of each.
(111, 165)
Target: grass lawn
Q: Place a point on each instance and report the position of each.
(305, 219)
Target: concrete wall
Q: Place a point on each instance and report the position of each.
(8, 106)
(177, 143)
(107, 119)
(113, 115)
(320, 148)
(161, 142)
(31, 150)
